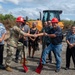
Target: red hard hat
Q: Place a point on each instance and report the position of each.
(54, 20)
(19, 19)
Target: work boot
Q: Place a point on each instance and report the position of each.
(57, 70)
(16, 61)
(67, 68)
(2, 66)
(9, 69)
(74, 67)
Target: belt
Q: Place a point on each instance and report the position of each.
(11, 46)
(57, 43)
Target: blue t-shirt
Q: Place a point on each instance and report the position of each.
(46, 39)
(2, 31)
(70, 37)
(59, 36)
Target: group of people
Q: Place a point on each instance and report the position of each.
(51, 35)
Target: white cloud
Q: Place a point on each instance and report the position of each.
(1, 10)
(14, 1)
(67, 19)
(32, 7)
(1, 0)
(31, 12)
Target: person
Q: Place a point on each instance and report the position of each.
(70, 39)
(55, 45)
(2, 36)
(26, 29)
(33, 42)
(46, 39)
(50, 55)
(15, 33)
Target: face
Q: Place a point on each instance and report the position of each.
(49, 23)
(19, 23)
(73, 29)
(34, 25)
(45, 24)
(25, 21)
(54, 24)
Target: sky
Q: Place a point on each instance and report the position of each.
(31, 8)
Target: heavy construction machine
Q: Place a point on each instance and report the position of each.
(47, 15)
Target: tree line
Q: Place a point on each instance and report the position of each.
(9, 20)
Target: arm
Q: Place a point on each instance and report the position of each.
(23, 33)
(40, 34)
(51, 35)
(28, 31)
(70, 45)
(33, 39)
(68, 42)
(2, 38)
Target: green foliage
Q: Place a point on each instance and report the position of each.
(68, 24)
(8, 20)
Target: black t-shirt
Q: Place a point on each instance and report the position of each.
(59, 36)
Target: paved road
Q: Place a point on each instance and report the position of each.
(33, 63)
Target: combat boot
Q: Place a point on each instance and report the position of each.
(9, 69)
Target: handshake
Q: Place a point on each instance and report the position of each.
(40, 34)
(36, 35)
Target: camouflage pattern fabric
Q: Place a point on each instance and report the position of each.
(12, 43)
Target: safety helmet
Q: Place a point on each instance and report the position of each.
(19, 19)
(54, 20)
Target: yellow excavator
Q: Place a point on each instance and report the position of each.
(47, 15)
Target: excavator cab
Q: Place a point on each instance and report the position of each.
(49, 14)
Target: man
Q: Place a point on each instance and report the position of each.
(15, 34)
(70, 39)
(46, 39)
(55, 45)
(2, 35)
(26, 29)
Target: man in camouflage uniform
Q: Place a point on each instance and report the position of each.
(26, 29)
(12, 43)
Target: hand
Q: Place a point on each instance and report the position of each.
(33, 39)
(71, 45)
(45, 34)
(35, 35)
(24, 38)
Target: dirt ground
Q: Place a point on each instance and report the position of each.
(49, 69)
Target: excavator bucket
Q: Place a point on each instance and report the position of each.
(39, 68)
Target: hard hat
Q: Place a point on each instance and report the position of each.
(19, 19)
(54, 20)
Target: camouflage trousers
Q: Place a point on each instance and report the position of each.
(10, 53)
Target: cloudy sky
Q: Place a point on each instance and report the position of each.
(31, 8)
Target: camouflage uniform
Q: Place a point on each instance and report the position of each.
(26, 29)
(12, 43)
(20, 47)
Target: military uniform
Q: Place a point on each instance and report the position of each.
(26, 29)
(12, 43)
